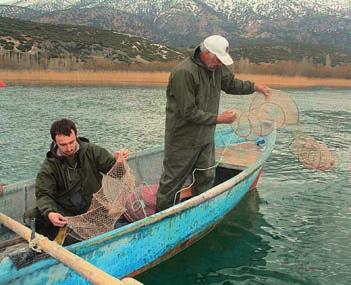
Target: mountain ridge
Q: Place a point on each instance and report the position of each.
(283, 25)
(340, 6)
(80, 43)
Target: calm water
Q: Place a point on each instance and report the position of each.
(295, 229)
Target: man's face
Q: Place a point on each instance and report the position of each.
(212, 62)
(67, 144)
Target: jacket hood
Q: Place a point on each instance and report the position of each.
(52, 153)
(195, 57)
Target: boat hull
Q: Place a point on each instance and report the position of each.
(134, 248)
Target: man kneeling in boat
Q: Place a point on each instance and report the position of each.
(68, 177)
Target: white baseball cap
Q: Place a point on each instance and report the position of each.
(219, 46)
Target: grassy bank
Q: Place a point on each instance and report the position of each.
(133, 78)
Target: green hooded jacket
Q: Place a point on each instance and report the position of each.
(193, 94)
(66, 184)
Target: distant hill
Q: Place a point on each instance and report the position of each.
(268, 52)
(262, 30)
(80, 42)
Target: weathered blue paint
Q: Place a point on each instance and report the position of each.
(131, 249)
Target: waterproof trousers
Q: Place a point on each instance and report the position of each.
(42, 225)
(180, 162)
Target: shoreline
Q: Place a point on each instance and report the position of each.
(149, 79)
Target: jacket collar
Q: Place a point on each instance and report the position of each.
(83, 145)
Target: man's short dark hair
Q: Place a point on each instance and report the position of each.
(62, 127)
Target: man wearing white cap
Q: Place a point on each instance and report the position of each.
(193, 94)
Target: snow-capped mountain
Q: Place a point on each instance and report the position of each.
(42, 4)
(186, 22)
(227, 7)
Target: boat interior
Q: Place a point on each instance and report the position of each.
(146, 168)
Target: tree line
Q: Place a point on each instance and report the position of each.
(23, 61)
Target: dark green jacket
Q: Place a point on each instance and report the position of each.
(66, 185)
(193, 94)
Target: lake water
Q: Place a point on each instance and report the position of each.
(295, 229)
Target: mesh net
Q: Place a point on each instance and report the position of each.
(266, 113)
(279, 108)
(243, 124)
(118, 196)
(311, 153)
(280, 111)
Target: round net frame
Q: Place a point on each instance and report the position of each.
(266, 113)
(242, 124)
(311, 153)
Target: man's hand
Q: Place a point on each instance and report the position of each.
(121, 153)
(57, 219)
(264, 89)
(1, 189)
(227, 117)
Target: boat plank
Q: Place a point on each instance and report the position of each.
(238, 156)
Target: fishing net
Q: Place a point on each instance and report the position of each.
(311, 153)
(243, 124)
(279, 107)
(118, 196)
(278, 110)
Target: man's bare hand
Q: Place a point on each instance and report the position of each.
(227, 117)
(57, 219)
(264, 89)
(121, 153)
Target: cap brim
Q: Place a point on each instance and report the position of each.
(225, 59)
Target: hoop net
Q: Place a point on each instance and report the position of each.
(280, 111)
(118, 196)
(277, 111)
(311, 153)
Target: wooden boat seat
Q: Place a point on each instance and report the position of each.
(238, 156)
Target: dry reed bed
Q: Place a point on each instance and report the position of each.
(134, 78)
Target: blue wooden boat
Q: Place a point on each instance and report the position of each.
(132, 249)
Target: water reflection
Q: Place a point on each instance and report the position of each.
(234, 251)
